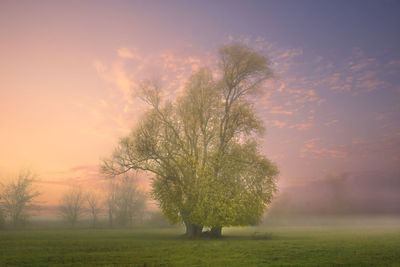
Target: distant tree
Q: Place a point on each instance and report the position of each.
(93, 201)
(18, 198)
(111, 201)
(203, 148)
(72, 205)
(125, 201)
(2, 217)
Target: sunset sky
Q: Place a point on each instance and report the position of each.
(68, 72)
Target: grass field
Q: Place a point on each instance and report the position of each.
(299, 246)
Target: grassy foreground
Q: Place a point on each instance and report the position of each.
(300, 246)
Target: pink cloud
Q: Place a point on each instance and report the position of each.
(302, 126)
(129, 53)
(330, 123)
(279, 124)
(315, 148)
(279, 110)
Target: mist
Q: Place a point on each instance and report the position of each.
(373, 193)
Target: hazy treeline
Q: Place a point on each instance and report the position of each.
(120, 204)
(346, 194)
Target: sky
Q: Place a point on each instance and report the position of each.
(68, 72)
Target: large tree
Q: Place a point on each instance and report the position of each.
(17, 198)
(203, 147)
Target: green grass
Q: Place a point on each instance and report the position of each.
(295, 246)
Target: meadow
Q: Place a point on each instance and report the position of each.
(376, 245)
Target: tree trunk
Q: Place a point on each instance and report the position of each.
(94, 221)
(216, 231)
(110, 217)
(193, 230)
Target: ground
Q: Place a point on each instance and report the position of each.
(250, 246)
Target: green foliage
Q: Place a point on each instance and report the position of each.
(202, 147)
(239, 196)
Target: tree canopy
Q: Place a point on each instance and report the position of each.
(72, 205)
(17, 198)
(203, 147)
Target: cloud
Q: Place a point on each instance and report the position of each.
(301, 126)
(295, 102)
(358, 66)
(116, 112)
(279, 124)
(281, 87)
(316, 148)
(279, 110)
(124, 52)
(290, 53)
(357, 74)
(388, 146)
(99, 66)
(330, 123)
(384, 149)
(365, 84)
(293, 93)
(395, 63)
(53, 184)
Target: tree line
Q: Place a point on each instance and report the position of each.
(122, 202)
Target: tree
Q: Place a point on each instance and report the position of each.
(2, 219)
(125, 201)
(111, 202)
(94, 206)
(72, 205)
(18, 198)
(203, 147)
